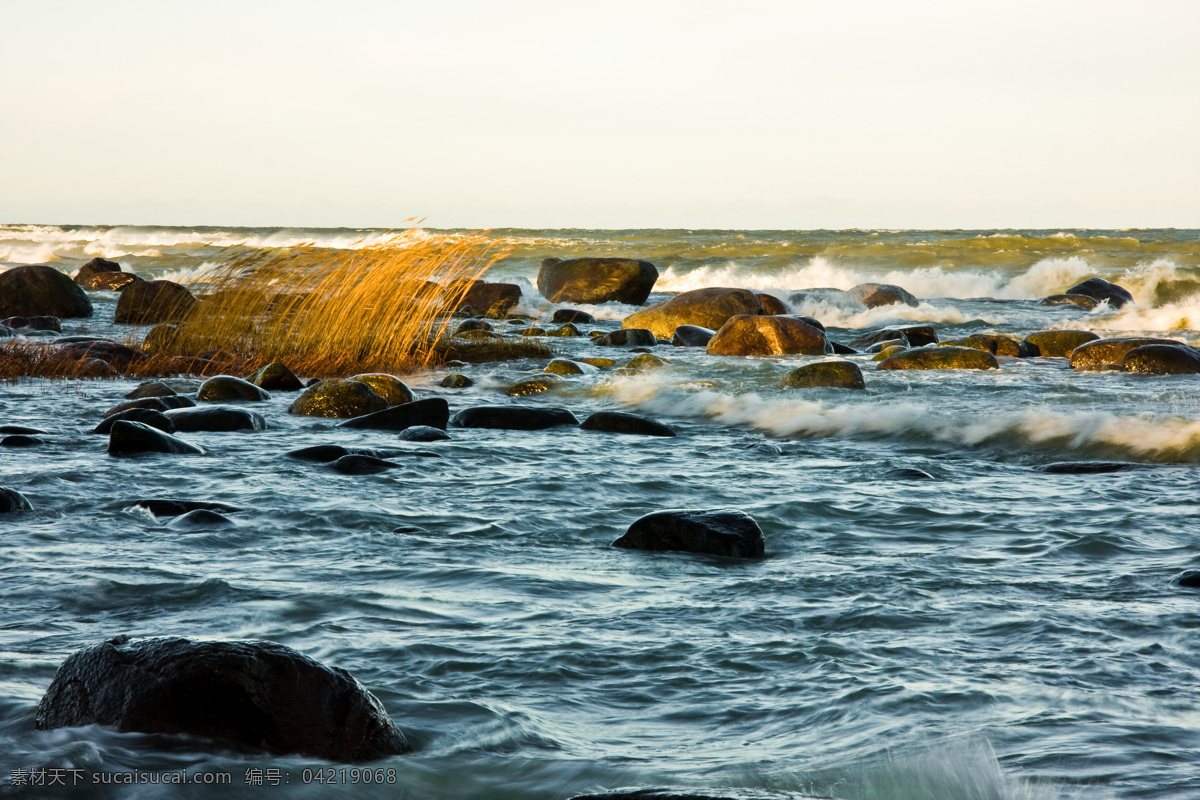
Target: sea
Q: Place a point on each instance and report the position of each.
(993, 631)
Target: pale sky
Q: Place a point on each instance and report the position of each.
(614, 114)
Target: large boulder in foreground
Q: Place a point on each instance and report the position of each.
(36, 290)
(596, 280)
(1102, 352)
(1163, 359)
(941, 357)
(337, 398)
(873, 295)
(706, 308)
(1101, 290)
(1057, 344)
(719, 533)
(258, 694)
(152, 302)
(825, 375)
(751, 335)
(517, 418)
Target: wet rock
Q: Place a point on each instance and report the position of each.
(1101, 290)
(692, 336)
(826, 375)
(907, 474)
(914, 335)
(1058, 344)
(95, 267)
(226, 389)
(1080, 300)
(151, 389)
(598, 363)
(423, 433)
(126, 438)
(621, 422)
(356, 464)
(389, 387)
(992, 343)
(886, 350)
(36, 290)
(323, 453)
(118, 356)
(21, 324)
(573, 315)
(720, 533)
(490, 299)
(457, 381)
(218, 418)
(152, 302)
(705, 308)
(566, 331)
(12, 500)
(771, 304)
(873, 295)
(473, 325)
(645, 361)
(201, 519)
(517, 418)
(627, 337)
(277, 377)
(161, 339)
(258, 694)
(1089, 467)
(153, 403)
(531, 332)
(1162, 359)
(565, 366)
(174, 508)
(596, 280)
(433, 412)
(840, 349)
(941, 357)
(536, 385)
(109, 281)
(337, 398)
(1189, 579)
(21, 440)
(147, 416)
(478, 336)
(751, 335)
(1099, 352)
(20, 429)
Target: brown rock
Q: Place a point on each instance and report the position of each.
(706, 308)
(754, 335)
(152, 302)
(873, 295)
(1100, 352)
(941, 357)
(1058, 344)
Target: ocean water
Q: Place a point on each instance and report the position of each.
(995, 632)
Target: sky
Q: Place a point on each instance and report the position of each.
(613, 114)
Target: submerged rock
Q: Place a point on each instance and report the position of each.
(536, 385)
(258, 694)
(517, 418)
(719, 533)
(456, 381)
(276, 376)
(358, 464)
(151, 389)
(1058, 344)
(21, 429)
(627, 337)
(423, 433)
(1089, 467)
(572, 315)
(568, 331)
(12, 500)
(174, 508)
(755, 335)
(1099, 352)
(873, 295)
(565, 366)
(907, 474)
(1189, 579)
(1162, 359)
(147, 416)
(201, 519)
(226, 388)
(219, 418)
(622, 422)
(21, 440)
(389, 387)
(37, 290)
(941, 357)
(825, 374)
(1100, 289)
(337, 398)
(152, 302)
(692, 336)
(127, 438)
(596, 280)
(706, 308)
(644, 362)
(433, 412)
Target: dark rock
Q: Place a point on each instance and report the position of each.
(621, 422)
(226, 389)
(706, 308)
(1058, 344)
(517, 418)
(20, 429)
(201, 518)
(907, 474)
(473, 325)
(126, 438)
(152, 302)
(644, 362)
(116, 355)
(108, 281)
(423, 433)
(161, 339)
(36, 290)
(433, 411)
(720, 533)
(457, 381)
(752, 335)
(1189, 578)
(596, 280)
(627, 337)
(825, 374)
(276, 377)
(1099, 352)
(95, 267)
(992, 343)
(319, 452)
(153, 403)
(12, 500)
(490, 299)
(33, 323)
(771, 304)
(1080, 300)
(813, 321)
(573, 315)
(565, 366)
(840, 349)
(1162, 359)
(147, 416)
(218, 418)
(915, 335)
(692, 336)
(873, 295)
(151, 389)
(21, 440)
(259, 694)
(1100, 289)
(337, 398)
(174, 508)
(1089, 467)
(355, 464)
(479, 336)
(941, 357)
(566, 331)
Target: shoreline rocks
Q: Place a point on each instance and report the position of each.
(705, 308)
(36, 290)
(596, 280)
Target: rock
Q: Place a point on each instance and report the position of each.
(33, 323)
(201, 518)
(941, 357)
(473, 325)
(596, 280)
(126, 437)
(161, 339)
(565, 366)
(456, 381)
(1080, 300)
(216, 418)
(324, 452)
(692, 336)
(907, 474)
(531, 332)
(12, 500)
(226, 388)
(423, 433)
(886, 350)
(108, 281)
(517, 418)
(566, 331)
(258, 694)
(151, 389)
(1101, 290)
(992, 343)
(20, 429)
(645, 361)
(573, 315)
(389, 387)
(598, 363)
(478, 336)
(771, 304)
(146, 416)
(95, 267)
(719, 533)
(1058, 344)
(116, 355)
(1089, 467)
(174, 508)
(21, 440)
(750, 335)
(154, 403)
(536, 385)
(1100, 352)
(706, 308)
(433, 412)
(824, 374)
(1189, 579)
(152, 302)
(1162, 359)
(873, 295)
(621, 422)
(37, 290)
(627, 337)
(337, 398)
(490, 299)
(357, 464)
(276, 377)
(914, 335)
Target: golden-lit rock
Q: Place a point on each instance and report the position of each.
(756, 335)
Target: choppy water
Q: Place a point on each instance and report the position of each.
(998, 632)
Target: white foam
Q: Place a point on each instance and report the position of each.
(817, 272)
(1048, 276)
